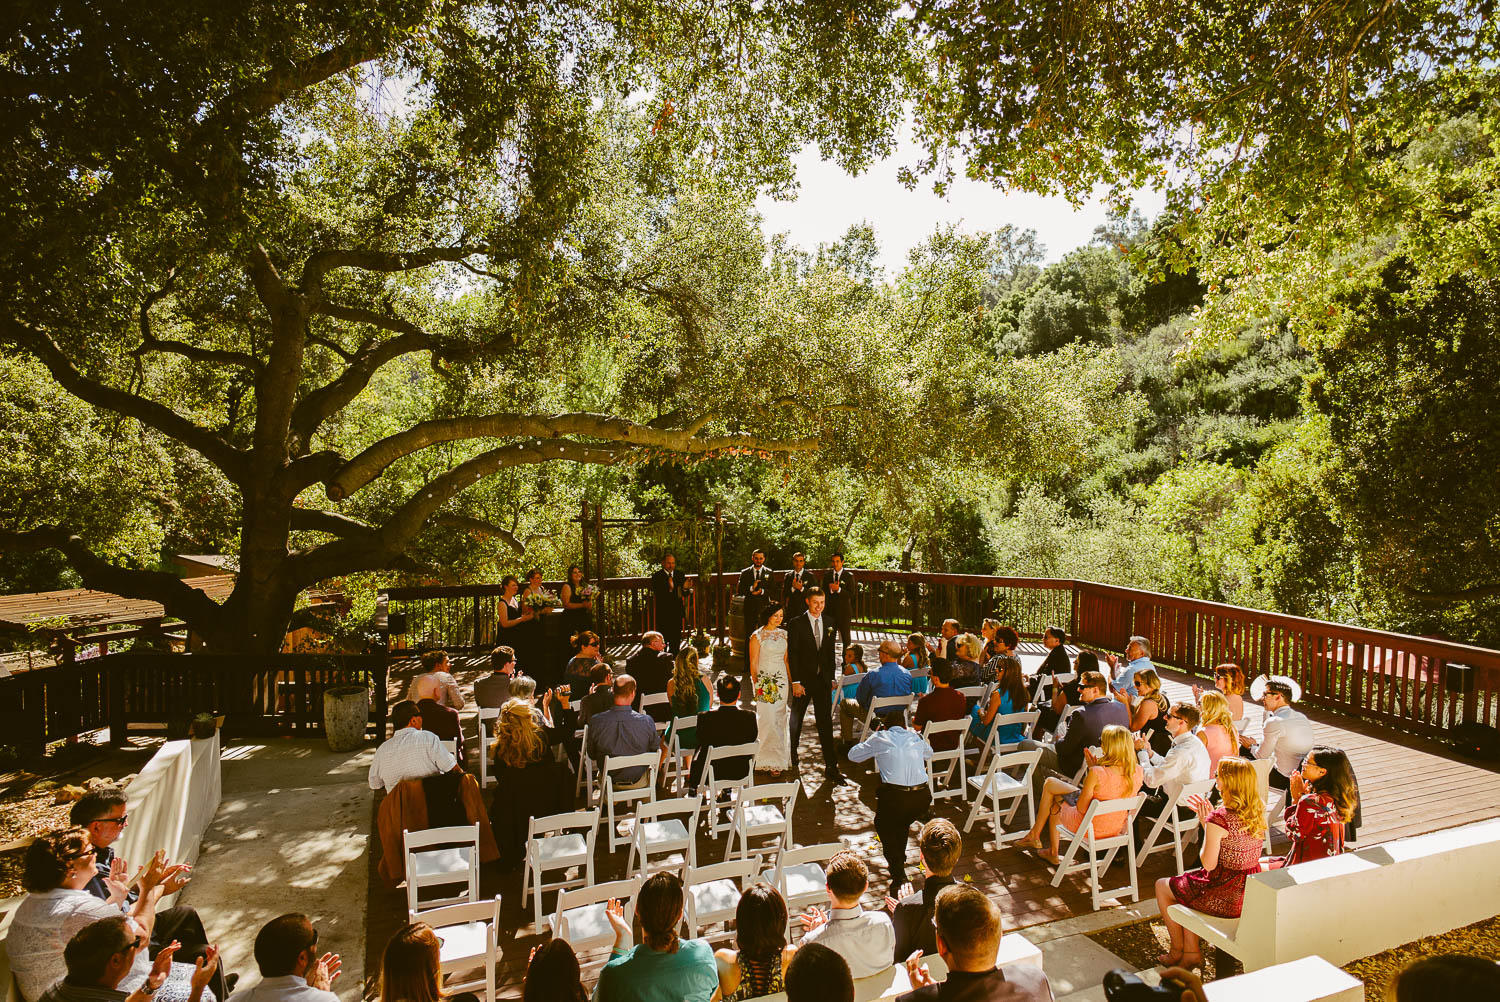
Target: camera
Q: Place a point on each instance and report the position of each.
(1122, 986)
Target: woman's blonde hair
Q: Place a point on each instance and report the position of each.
(518, 740)
(685, 678)
(1241, 793)
(1119, 751)
(1214, 709)
(1147, 679)
(970, 647)
(920, 655)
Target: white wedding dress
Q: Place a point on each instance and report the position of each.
(773, 689)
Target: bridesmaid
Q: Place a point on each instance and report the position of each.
(578, 613)
(548, 653)
(516, 620)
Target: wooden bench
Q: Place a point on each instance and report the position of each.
(1346, 907)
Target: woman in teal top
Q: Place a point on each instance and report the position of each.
(687, 695)
(662, 968)
(1009, 697)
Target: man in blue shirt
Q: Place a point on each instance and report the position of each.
(1137, 658)
(890, 679)
(620, 730)
(903, 796)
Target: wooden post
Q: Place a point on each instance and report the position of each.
(583, 527)
(719, 609)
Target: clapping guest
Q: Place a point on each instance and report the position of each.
(727, 724)
(1148, 710)
(1114, 775)
(411, 968)
(553, 974)
(286, 951)
(863, 938)
(968, 931)
(1287, 735)
(1010, 696)
(757, 966)
(1060, 696)
(101, 956)
(601, 694)
(938, 845)
(1322, 801)
(965, 661)
(527, 782)
(662, 968)
(1185, 763)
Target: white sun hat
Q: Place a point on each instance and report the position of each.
(1258, 687)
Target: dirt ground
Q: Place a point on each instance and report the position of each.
(28, 794)
(1140, 942)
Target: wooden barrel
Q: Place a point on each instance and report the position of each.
(739, 637)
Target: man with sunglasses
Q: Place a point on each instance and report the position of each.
(1185, 763)
(286, 951)
(102, 813)
(102, 954)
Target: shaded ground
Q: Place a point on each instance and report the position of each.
(1139, 943)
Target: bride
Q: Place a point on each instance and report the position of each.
(770, 679)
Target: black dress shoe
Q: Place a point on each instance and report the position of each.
(837, 778)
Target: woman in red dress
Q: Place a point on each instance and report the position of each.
(1322, 801)
(1232, 837)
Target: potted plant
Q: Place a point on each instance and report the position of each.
(702, 642)
(203, 725)
(346, 715)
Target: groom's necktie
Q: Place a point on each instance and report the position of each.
(817, 628)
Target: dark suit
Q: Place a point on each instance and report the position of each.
(650, 669)
(666, 594)
(793, 598)
(1018, 983)
(727, 725)
(812, 665)
(913, 919)
(749, 577)
(841, 602)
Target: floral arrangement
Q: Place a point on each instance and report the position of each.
(543, 599)
(587, 593)
(768, 690)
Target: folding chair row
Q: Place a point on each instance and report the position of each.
(469, 937)
(1084, 839)
(488, 717)
(1171, 823)
(441, 857)
(954, 758)
(995, 785)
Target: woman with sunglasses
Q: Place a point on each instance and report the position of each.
(58, 869)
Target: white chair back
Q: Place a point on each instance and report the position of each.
(469, 934)
(616, 796)
(438, 857)
(712, 785)
(953, 757)
(488, 715)
(1170, 822)
(763, 810)
(580, 916)
(799, 876)
(1084, 839)
(677, 767)
(995, 784)
(713, 893)
(558, 842)
(665, 826)
(992, 743)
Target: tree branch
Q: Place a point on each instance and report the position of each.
(322, 262)
(216, 450)
(317, 520)
(1462, 595)
(472, 524)
(213, 356)
(365, 467)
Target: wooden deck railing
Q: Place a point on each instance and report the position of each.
(1410, 683)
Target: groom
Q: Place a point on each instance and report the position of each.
(810, 643)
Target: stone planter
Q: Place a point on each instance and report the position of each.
(346, 714)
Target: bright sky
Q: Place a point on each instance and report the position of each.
(830, 201)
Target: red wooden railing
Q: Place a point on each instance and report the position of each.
(1414, 684)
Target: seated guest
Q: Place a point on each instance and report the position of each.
(1115, 775)
(553, 974)
(1056, 661)
(102, 954)
(1447, 977)
(411, 968)
(101, 813)
(943, 703)
(1287, 735)
(286, 951)
(904, 795)
(1320, 804)
(527, 779)
(889, 679)
(947, 641)
(757, 965)
(987, 628)
(1084, 729)
(864, 939)
(1232, 837)
(1010, 696)
(854, 666)
(917, 658)
(938, 845)
(601, 694)
(1185, 762)
(687, 696)
(443, 721)
(436, 682)
(727, 724)
(1229, 681)
(585, 656)
(818, 974)
(1216, 729)
(620, 730)
(662, 968)
(410, 752)
(651, 667)
(968, 940)
(965, 661)
(1060, 697)
(58, 869)
(1003, 644)
(1148, 710)
(493, 690)
(1137, 659)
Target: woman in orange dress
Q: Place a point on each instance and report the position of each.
(1114, 775)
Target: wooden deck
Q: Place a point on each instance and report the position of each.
(1409, 786)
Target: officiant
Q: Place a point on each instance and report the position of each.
(669, 593)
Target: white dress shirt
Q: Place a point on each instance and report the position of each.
(410, 753)
(286, 988)
(1288, 737)
(1185, 762)
(900, 754)
(867, 940)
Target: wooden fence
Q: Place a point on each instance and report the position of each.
(1414, 684)
(258, 695)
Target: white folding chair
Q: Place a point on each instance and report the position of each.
(1178, 826)
(799, 876)
(585, 784)
(713, 895)
(1263, 767)
(712, 786)
(558, 842)
(954, 757)
(1084, 839)
(488, 715)
(677, 771)
(454, 860)
(649, 699)
(1039, 694)
(665, 826)
(878, 708)
(996, 785)
(838, 698)
(580, 917)
(763, 810)
(468, 934)
(452, 745)
(974, 692)
(992, 743)
(617, 796)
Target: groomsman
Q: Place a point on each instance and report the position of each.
(669, 592)
(840, 590)
(755, 585)
(794, 587)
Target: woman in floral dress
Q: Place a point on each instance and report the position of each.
(1232, 837)
(770, 678)
(1323, 799)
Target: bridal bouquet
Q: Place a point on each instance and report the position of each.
(543, 599)
(587, 593)
(768, 690)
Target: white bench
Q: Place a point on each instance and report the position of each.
(1311, 979)
(1015, 950)
(1346, 907)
